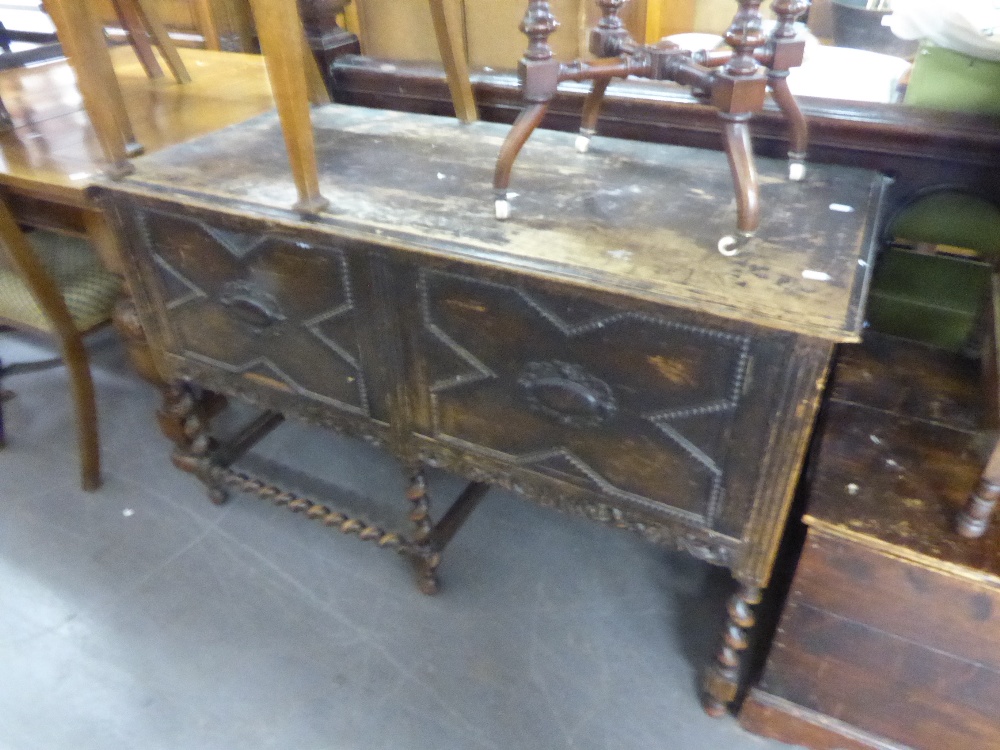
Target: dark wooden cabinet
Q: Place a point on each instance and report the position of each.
(595, 353)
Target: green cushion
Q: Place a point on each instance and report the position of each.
(933, 299)
(952, 218)
(944, 79)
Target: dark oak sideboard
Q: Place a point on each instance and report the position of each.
(594, 353)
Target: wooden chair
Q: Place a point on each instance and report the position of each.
(64, 293)
(82, 38)
(297, 82)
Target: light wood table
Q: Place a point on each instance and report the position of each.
(52, 154)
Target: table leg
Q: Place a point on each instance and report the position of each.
(722, 676)
(424, 556)
(185, 418)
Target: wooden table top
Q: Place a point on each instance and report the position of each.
(53, 152)
(636, 218)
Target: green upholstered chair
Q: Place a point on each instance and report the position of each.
(937, 299)
(60, 290)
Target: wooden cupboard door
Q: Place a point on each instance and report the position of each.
(253, 302)
(654, 410)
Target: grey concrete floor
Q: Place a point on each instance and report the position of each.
(141, 616)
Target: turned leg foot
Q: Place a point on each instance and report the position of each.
(218, 495)
(974, 518)
(739, 151)
(425, 559)
(185, 419)
(425, 565)
(523, 127)
(591, 111)
(722, 677)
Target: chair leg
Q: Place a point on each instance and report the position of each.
(974, 518)
(137, 37)
(283, 45)
(447, 16)
(82, 38)
(85, 405)
(3, 397)
(159, 36)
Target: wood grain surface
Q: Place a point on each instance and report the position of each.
(636, 218)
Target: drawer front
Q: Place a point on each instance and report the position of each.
(642, 408)
(275, 311)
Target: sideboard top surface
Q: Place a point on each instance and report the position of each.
(632, 217)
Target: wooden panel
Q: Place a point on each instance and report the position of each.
(908, 379)
(35, 212)
(896, 482)
(883, 683)
(274, 310)
(665, 17)
(770, 716)
(944, 611)
(397, 29)
(612, 399)
(496, 41)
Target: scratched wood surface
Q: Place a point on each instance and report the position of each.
(901, 451)
(638, 218)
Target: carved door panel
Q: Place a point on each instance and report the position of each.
(275, 311)
(655, 410)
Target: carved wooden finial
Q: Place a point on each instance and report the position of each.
(539, 24)
(609, 14)
(788, 12)
(745, 35)
(610, 38)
